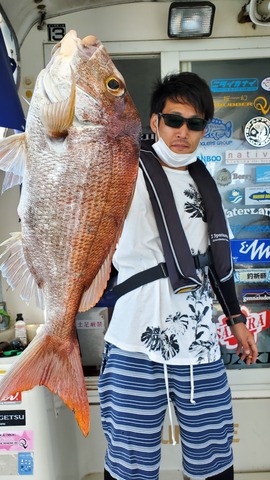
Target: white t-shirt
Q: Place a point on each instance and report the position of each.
(169, 328)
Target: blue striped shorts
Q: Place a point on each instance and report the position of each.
(133, 403)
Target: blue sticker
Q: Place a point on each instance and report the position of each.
(235, 196)
(236, 229)
(234, 85)
(256, 295)
(217, 129)
(251, 250)
(25, 463)
(263, 174)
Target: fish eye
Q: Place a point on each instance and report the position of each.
(115, 86)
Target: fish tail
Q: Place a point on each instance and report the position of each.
(55, 363)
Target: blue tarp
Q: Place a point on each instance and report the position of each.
(11, 112)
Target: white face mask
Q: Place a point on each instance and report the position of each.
(171, 158)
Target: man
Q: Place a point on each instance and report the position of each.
(161, 345)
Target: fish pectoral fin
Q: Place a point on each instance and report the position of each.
(92, 295)
(55, 363)
(13, 159)
(16, 272)
(58, 116)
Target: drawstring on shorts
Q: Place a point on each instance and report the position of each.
(169, 402)
(192, 388)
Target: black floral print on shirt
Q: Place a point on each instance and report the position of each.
(157, 340)
(195, 206)
(168, 341)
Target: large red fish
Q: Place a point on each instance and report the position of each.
(78, 161)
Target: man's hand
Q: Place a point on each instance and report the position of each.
(247, 348)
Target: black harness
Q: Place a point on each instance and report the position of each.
(180, 266)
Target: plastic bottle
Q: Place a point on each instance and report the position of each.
(20, 329)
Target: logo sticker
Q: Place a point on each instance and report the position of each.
(266, 84)
(223, 177)
(209, 158)
(12, 417)
(257, 131)
(237, 228)
(252, 296)
(255, 195)
(16, 398)
(234, 85)
(260, 275)
(248, 211)
(256, 322)
(251, 250)
(25, 463)
(263, 174)
(217, 129)
(247, 156)
(22, 440)
(235, 196)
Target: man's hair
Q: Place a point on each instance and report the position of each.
(184, 87)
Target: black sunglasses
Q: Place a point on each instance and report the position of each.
(176, 121)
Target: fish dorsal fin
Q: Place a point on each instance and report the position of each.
(13, 159)
(95, 291)
(16, 272)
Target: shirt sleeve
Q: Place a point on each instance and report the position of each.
(225, 293)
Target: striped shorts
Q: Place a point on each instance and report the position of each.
(133, 402)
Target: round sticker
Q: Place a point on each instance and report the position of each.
(257, 131)
(223, 177)
(266, 84)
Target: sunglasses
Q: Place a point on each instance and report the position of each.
(176, 121)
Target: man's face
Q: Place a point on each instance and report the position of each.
(182, 139)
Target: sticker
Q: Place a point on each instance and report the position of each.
(25, 463)
(257, 131)
(90, 324)
(261, 104)
(93, 319)
(260, 275)
(241, 176)
(210, 158)
(247, 211)
(266, 84)
(217, 129)
(251, 250)
(223, 177)
(263, 174)
(236, 229)
(234, 85)
(256, 322)
(247, 156)
(10, 418)
(16, 440)
(257, 195)
(235, 196)
(16, 398)
(252, 296)
(56, 31)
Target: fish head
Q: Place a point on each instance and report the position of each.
(86, 90)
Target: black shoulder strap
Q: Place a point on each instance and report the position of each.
(177, 253)
(217, 226)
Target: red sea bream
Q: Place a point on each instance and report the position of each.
(78, 162)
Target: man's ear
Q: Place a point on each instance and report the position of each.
(154, 122)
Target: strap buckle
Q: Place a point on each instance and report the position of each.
(201, 260)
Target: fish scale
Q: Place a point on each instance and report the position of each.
(78, 163)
